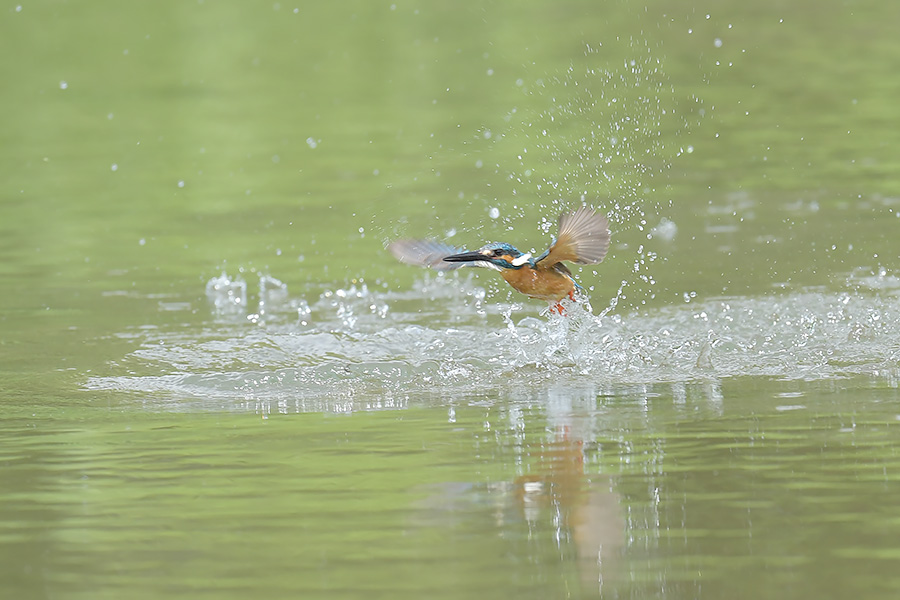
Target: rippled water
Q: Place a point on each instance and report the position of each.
(214, 380)
(362, 346)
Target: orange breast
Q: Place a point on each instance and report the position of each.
(543, 285)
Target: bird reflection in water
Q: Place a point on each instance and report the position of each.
(584, 511)
(568, 514)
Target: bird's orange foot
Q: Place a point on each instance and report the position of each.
(558, 308)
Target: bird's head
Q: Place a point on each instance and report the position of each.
(497, 256)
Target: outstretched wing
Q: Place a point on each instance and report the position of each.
(425, 253)
(583, 239)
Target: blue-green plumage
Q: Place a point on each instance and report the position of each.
(583, 239)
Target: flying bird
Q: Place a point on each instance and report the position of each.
(583, 239)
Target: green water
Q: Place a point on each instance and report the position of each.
(725, 426)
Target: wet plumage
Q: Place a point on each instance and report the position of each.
(583, 238)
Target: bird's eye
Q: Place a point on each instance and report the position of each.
(498, 252)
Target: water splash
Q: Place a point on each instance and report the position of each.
(357, 347)
(227, 294)
(607, 127)
(605, 132)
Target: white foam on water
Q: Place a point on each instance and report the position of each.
(357, 347)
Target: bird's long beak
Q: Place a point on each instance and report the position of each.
(466, 257)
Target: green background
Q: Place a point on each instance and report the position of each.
(359, 428)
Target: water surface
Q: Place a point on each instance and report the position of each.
(216, 382)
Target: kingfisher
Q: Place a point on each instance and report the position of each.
(582, 238)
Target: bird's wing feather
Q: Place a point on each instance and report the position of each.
(583, 239)
(425, 253)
